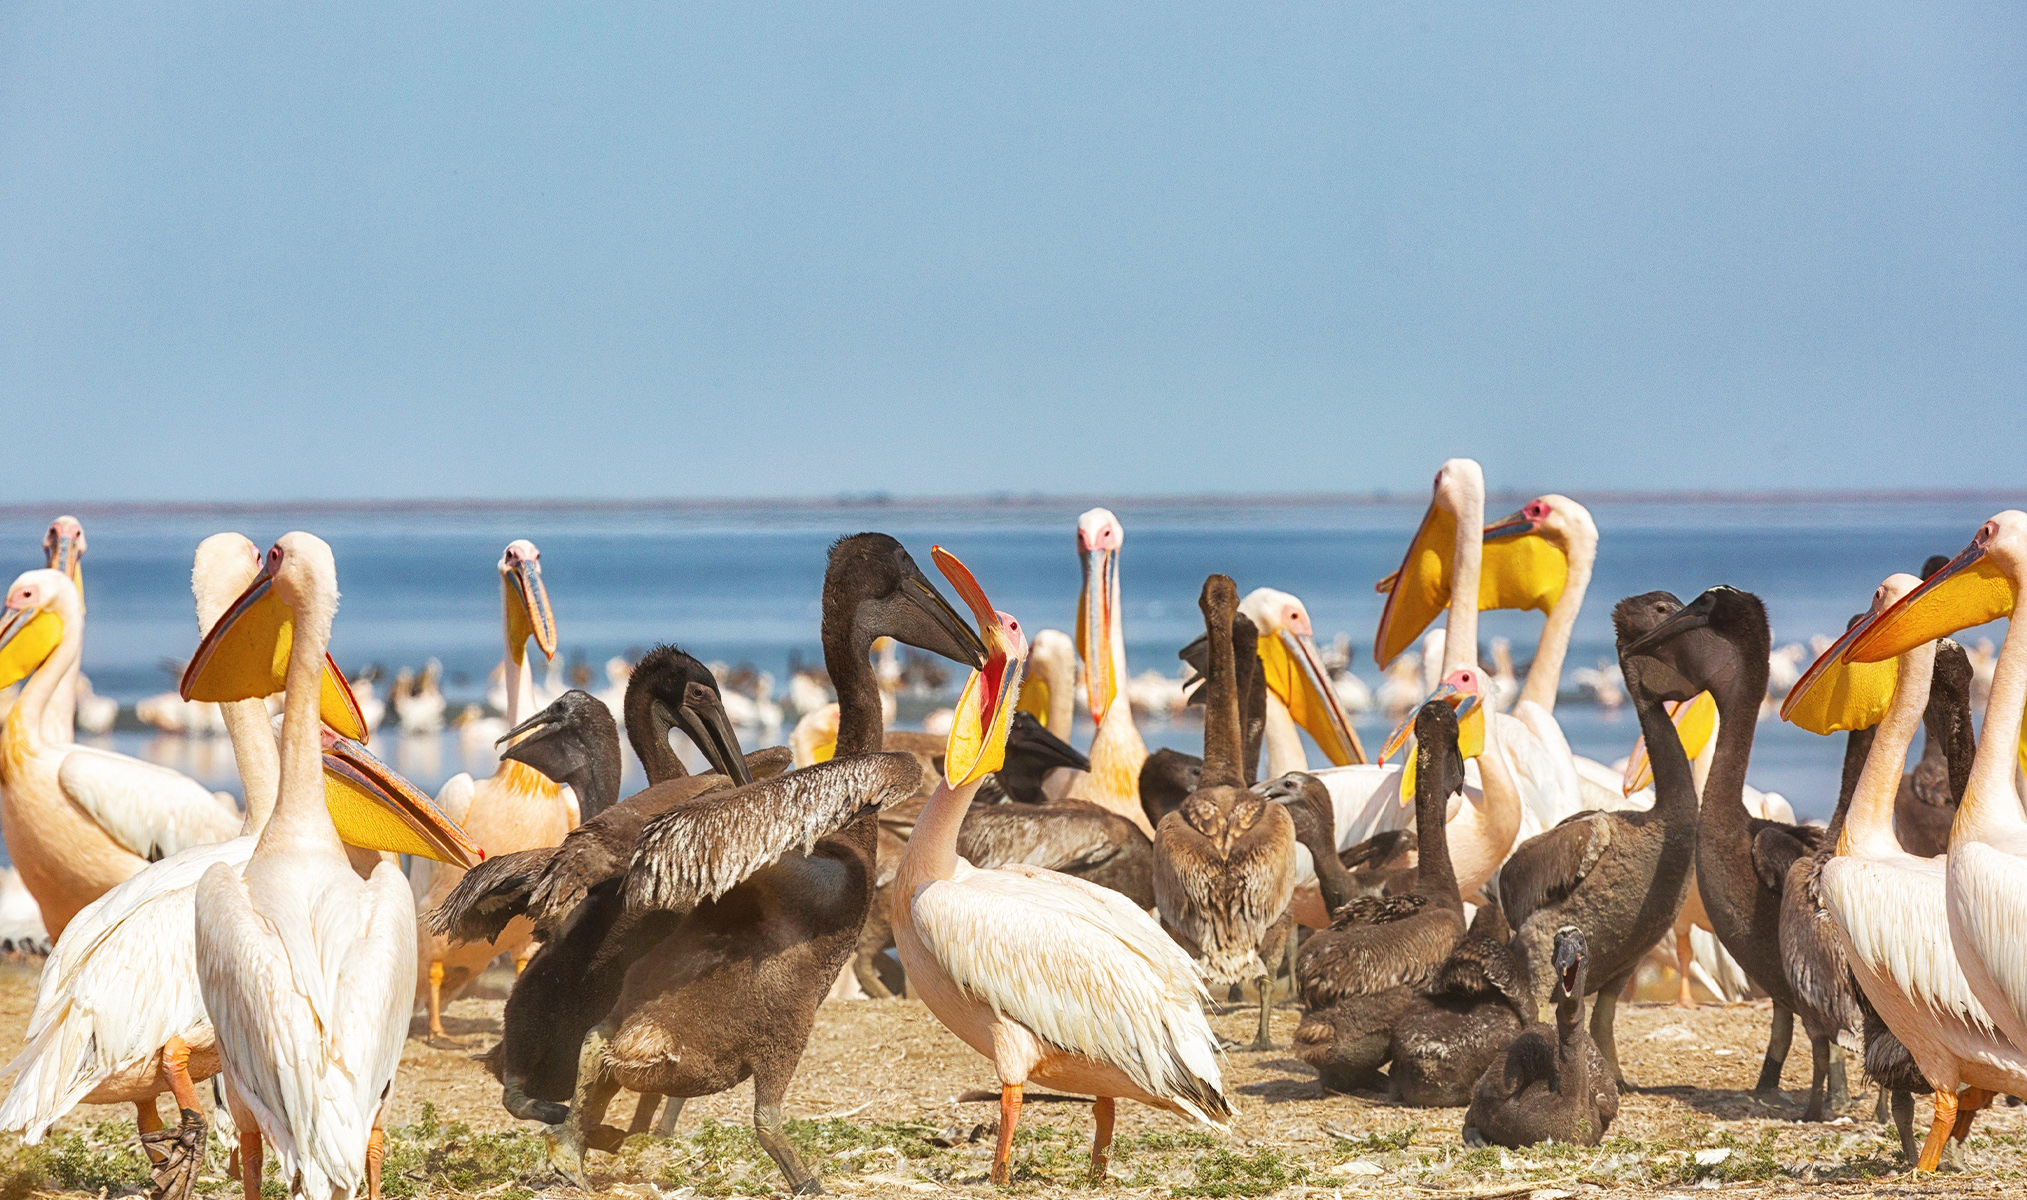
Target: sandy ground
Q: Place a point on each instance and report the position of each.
(888, 1065)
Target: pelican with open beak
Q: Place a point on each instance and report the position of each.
(1462, 690)
(1299, 688)
(1057, 981)
(1117, 751)
(310, 1030)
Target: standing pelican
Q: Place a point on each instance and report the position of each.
(1117, 752)
(1054, 979)
(1890, 908)
(79, 820)
(118, 1016)
(1987, 863)
(518, 808)
(1224, 862)
(306, 969)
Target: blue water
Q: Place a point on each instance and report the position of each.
(742, 584)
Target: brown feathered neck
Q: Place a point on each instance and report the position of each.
(1223, 740)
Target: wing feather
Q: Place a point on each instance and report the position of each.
(1550, 865)
(703, 849)
(152, 811)
(1988, 907)
(1895, 917)
(1084, 969)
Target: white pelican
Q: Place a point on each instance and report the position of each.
(1890, 909)
(306, 969)
(118, 1016)
(1055, 980)
(79, 820)
(1117, 752)
(1988, 842)
(1299, 690)
(1539, 558)
(518, 808)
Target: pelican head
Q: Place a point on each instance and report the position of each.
(1976, 586)
(245, 654)
(1463, 690)
(63, 549)
(526, 601)
(1420, 589)
(1836, 693)
(985, 710)
(1294, 672)
(1680, 649)
(39, 603)
(1099, 536)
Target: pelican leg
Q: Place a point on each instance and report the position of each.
(250, 1164)
(1939, 1129)
(376, 1149)
(182, 1148)
(1684, 955)
(1840, 1083)
(1968, 1105)
(1009, 1116)
(644, 1113)
(148, 1119)
(767, 1127)
(1604, 1014)
(1819, 1077)
(1903, 1123)
(1102, 1111)
(436, 1033)
(666, 1127)
(567, 1140)
(1778, 1038)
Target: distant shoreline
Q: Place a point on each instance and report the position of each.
(989, 503)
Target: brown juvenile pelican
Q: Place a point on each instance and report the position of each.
(1616, 877)
(743, 904)
(1224, 863)
(1359, 976)
(1552, 1083)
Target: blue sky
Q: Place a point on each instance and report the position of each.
(276, 252)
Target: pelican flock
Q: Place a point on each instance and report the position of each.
(1079, 915)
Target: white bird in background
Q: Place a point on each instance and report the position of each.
(1057, 981)
(79, 820)
(307, 971)
(418, 700)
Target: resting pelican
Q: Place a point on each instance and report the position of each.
(1055, 980)
(118, 1017)
(79, 820)
(1116, 749)
(518, 808)
(306, 969)
(1890, 908)
(1988, 842)
(1299, 691)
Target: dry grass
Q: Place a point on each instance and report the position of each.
(881, 1081)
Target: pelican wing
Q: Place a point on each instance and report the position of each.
(703, 849)
(1895, 917)
(1551, 865)
(152, 811)
(1081, 967)
(1060, 836)
(1988, 899)
(489, 896)
(121, 983)
(1544, 771)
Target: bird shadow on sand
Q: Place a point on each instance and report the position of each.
(1739, 1104)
